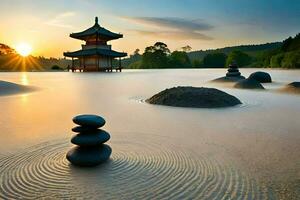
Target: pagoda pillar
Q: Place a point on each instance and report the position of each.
(111, 67)
(83, 63)
(120, 65)
(72, 64)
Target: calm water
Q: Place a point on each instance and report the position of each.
(249, 151)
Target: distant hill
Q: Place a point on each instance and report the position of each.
(252, 50)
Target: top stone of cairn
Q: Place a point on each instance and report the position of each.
(92, 121)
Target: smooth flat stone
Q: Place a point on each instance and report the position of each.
(293, 88)
(233, 70)
(84, 129)
(93, 121)
(88, 157)
(232, 79)
(249, 84)
(233, 66)
(91, 139)
(230, 74)
(262, 77)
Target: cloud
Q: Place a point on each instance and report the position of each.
(175, 35)
(172, 23)
(59, 20)
(174, 28)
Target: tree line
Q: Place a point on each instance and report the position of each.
(287, 56)
(159, 56)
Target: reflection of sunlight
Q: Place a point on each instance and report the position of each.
(24, 98)
(24, 79)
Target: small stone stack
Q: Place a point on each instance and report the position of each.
(233, 71)
(90, 149)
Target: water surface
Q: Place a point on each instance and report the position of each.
(249, 151)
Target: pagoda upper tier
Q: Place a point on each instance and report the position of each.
(96, 33)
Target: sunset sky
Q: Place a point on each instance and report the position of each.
(202, 24)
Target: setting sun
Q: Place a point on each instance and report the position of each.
(23, 49)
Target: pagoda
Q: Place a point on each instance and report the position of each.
(96, 54)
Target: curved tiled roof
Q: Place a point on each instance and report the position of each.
(96, 30)
(95, 51)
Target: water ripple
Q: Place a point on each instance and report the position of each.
(136, 170)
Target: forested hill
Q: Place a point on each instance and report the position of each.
(288, 56)
(196, 57)
(252, 50)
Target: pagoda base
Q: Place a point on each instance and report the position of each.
(95, 69)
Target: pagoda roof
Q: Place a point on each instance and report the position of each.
(95, 51)
(96, 30)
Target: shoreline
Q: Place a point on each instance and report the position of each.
(192, 68)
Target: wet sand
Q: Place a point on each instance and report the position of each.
(245, 152)
(8, 88)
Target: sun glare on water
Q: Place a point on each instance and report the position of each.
(23, 49)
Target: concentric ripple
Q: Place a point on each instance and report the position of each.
(139, 169)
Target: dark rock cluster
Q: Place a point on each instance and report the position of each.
(194, 97)
(233, 74)
(233, 71)
(90, 139)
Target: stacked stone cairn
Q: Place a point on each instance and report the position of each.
(233, 71)
(90, 139)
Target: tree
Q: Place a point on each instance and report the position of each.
(286, 44)
(291, 60)
(56, 67)
(179, 59)
(276, 60)
(136, 56)
(186, 48)
(214, 60)
(197, 63)
(242, 59)
(136, 52)
(5, 49)
(135, 65)
(156, 56)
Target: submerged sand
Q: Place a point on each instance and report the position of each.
(8, 88)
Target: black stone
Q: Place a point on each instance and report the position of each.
(194, 97)
(262, 77)
(91, 139)
(229, 79)
(233, 74)
(248, 84)
(84, 129)
(293, 87)
(89, 156)
(92, 121)
(233, 70)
